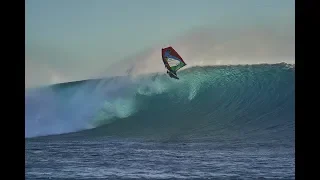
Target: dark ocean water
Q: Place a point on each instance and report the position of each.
(228, 122)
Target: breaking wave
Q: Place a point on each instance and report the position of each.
(236, 101)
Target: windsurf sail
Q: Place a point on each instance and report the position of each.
(172, 60)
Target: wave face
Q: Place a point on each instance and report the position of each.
(207, 103)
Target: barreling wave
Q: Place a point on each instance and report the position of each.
(238, 101)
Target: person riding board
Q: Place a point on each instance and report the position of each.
(169, 72)
(175, 59)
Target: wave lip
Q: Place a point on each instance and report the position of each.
(207, 103)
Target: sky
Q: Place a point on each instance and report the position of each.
(69, 40)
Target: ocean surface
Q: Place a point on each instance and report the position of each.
(223, 122)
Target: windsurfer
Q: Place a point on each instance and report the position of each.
(171, 74)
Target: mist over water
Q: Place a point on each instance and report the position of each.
(99, 104)
(213, 46)
(206, 102)
(200, 46)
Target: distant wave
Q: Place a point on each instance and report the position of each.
(243, 101)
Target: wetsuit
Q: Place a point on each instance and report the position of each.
(170, 73)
